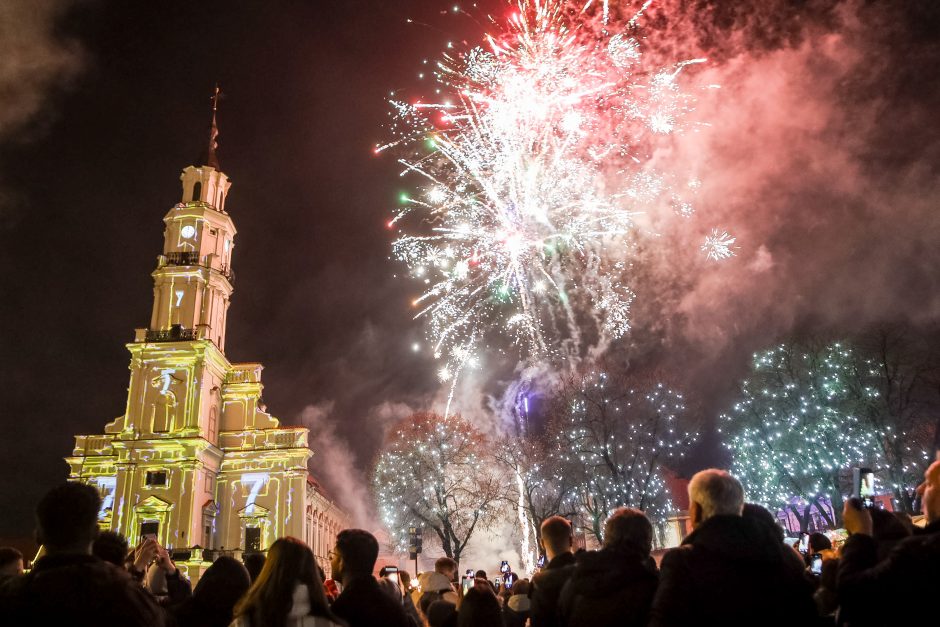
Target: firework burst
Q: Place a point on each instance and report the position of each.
(535, 170)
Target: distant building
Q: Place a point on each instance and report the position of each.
(196, 459)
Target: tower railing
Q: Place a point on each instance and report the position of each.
(192, 258)
(186, 258)
(173, 334)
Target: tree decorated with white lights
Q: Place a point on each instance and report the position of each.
(798, 427)
(619, 430)
(432, 474)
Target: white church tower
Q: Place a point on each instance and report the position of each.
(195, 459)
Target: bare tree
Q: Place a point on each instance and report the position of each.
(895, 379)
(618, 429)
(433, 473)
(537, 483)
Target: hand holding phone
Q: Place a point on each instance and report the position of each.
(856, 518)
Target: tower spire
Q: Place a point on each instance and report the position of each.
(212, 158)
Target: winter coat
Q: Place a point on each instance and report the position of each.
(299, 615)
(516, 611)
(608, 587)
(733, 571)
(363, 604)
(546, 589)
(898, 590)
(77, 590)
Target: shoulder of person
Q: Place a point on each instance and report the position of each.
(240, 621)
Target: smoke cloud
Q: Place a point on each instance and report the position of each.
(37, 60)
(820, 157)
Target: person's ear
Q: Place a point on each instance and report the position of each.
(695, 513)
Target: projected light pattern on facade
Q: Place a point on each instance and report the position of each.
(196, 459)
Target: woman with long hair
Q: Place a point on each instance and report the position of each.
(215, 595)
(288, 591)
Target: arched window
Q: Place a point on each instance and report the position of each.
(197, 191)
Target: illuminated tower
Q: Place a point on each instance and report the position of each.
(196, 459)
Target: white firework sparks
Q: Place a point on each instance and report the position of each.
(536, 165)
(718, 245)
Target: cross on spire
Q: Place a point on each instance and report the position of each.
(212, 159)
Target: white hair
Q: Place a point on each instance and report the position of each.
(717, 493)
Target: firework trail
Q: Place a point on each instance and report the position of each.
(535, 168)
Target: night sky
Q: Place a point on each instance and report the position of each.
(823, 159)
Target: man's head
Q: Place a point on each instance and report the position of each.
(447, 567)
(819, 542)
(556, 536)
(628, 529)
(929, 492)
(354, 554)
(11, 562)
(714, 492)
(67, 518)
(111, 547)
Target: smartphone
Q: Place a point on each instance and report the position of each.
(864, 480)
(498, 581)
(541, 562)
(816, 565)
(392, 573)
(804, 543)
(509, 579)
(504, 566)
(465, 584)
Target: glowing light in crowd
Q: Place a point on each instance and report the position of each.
(535, 162)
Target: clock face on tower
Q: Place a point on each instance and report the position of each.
(188, 231)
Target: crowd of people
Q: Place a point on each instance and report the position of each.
(734, 568)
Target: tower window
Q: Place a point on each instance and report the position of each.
(156, 478)
(197, 191)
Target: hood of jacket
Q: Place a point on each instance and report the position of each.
(737, 538)
(602, 573)
(301, 601)
(519, 603)
(434, 582)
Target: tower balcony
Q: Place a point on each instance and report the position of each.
(192, 258)
(186, 258)
(176, 333)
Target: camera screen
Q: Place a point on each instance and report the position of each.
(816, 566)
